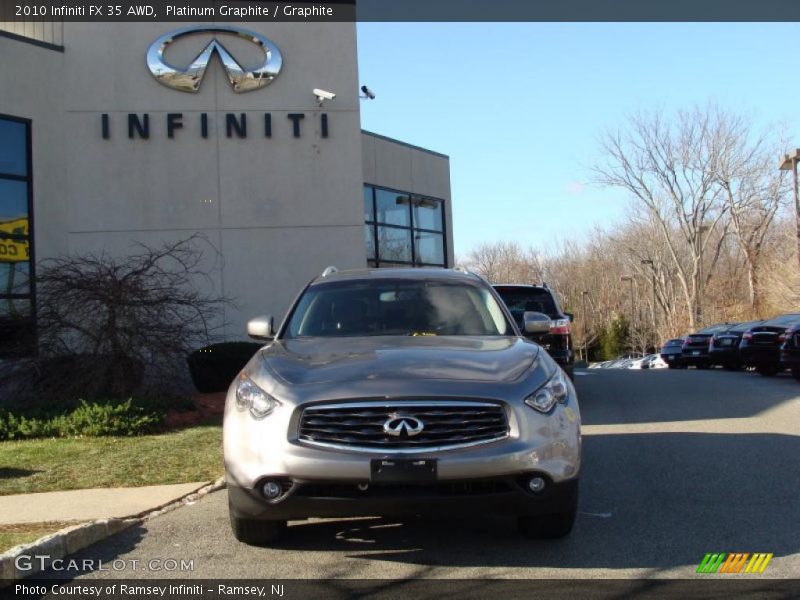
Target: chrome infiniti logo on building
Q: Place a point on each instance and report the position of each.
(188, 79)
(399, 424)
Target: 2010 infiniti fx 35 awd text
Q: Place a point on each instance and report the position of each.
(400, 392)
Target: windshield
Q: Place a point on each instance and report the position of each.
(397, 307)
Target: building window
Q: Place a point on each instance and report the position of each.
(17, 330)
(403, 229)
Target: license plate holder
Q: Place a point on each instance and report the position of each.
(403, 470)
(696, 353)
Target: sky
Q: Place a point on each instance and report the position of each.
(520, 107)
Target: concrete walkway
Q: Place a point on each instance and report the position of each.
(87, 505)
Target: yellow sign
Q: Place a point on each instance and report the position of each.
(14, 250)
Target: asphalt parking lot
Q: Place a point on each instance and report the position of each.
(676, 464)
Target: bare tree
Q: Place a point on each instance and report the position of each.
(106, 321)
(753, 191)
(506, 262)
(671, 168)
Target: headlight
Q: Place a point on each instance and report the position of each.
(545, 398)
(250, 396)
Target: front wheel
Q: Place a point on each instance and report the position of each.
(257, 532)
(796, 373)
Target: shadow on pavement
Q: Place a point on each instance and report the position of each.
(652, 501)
(624, 396)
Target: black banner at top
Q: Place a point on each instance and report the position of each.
(401, 10)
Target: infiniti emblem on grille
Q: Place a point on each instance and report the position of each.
(399, 424)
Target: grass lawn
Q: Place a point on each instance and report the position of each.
(193, 454)
(14, 535)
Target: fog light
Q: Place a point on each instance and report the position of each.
(536, 484)
(271, 490)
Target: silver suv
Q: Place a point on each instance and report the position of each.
(398, 392)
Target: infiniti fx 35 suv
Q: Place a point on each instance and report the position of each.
(397, 392)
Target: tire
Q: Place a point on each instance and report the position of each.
(796, 373)
(257, 532)
(703, 366)
(552, 526)
(767, 370)
(570, 371)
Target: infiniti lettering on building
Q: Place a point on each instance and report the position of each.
(189, 78)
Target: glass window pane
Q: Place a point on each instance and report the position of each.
(13, 200)
(430, 247)
(14, 278)
(369, 207)
(13, 148)
(394, 244)
(11, 309)
(393, 208)
(369, 240)
(428, 214)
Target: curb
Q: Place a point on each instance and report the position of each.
(72, 539)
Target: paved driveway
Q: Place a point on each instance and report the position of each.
(676, 464)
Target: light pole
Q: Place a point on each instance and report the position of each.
(701, 284)
(789, 163)
(633, 309)
(584, 293)
(653, 282)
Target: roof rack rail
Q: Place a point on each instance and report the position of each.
(329, 271)
(461, 269)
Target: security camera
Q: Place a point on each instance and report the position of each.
(368, 93)
(323, 95)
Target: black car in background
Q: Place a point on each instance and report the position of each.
(538, 298)
(671, 353)
(723, 348)
(761, 345)
(790, 350)
(695, 346)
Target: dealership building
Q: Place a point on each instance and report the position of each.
(113, 134)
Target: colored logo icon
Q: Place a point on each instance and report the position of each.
(734, 562)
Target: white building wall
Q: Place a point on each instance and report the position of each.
(394, 164)
(274, 212)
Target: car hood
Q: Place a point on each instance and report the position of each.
(344, 359)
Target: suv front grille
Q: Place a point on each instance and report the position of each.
(444, 424)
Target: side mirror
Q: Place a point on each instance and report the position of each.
(536, 322)
(570, 316)
(261, 328)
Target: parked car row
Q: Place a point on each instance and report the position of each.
(768, 346)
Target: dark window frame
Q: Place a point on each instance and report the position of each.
(28, 180)
(412, 228)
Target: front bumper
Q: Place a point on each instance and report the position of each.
(256, 450)
(500, 496)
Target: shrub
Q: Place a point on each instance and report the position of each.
(214, 367)
(114, 326)
(89, 420)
